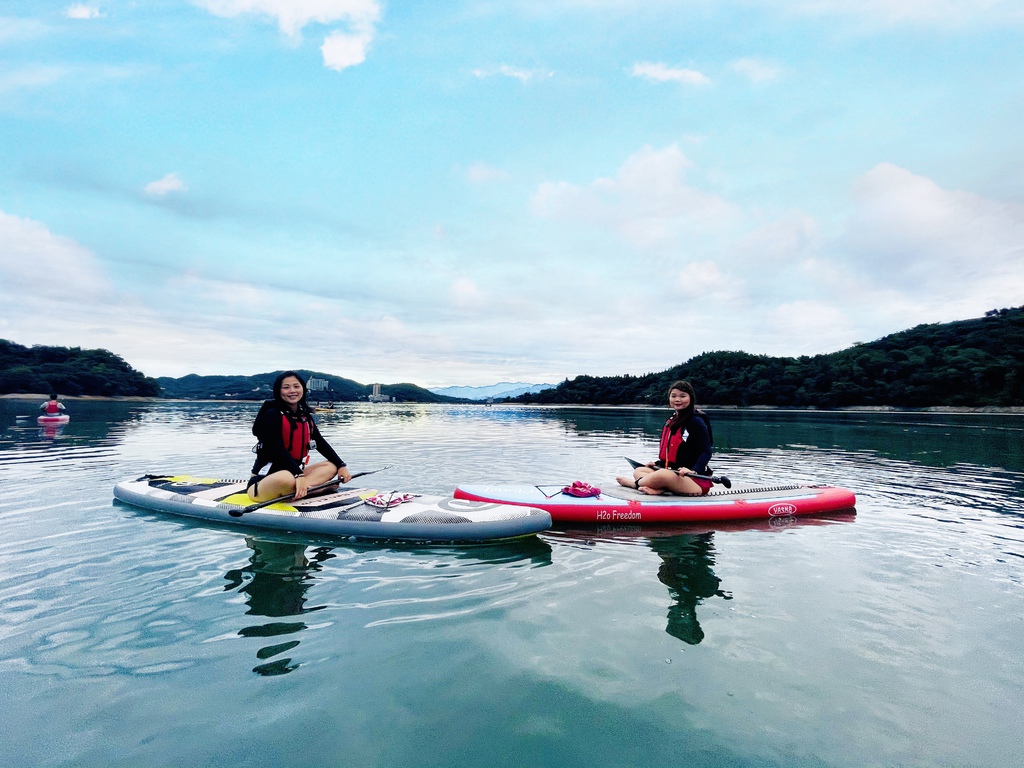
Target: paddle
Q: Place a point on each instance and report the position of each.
(723, 480)
(370, 472)
(290, 496)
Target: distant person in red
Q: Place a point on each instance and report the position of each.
(286, 431)
(685, 450)
(52, 407)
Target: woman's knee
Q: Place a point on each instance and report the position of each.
(321, 466)
(687, 486)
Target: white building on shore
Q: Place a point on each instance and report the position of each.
(377, 397)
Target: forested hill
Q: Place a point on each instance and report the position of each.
(259, 386)
(75, 371)
(968, 363)
(70, 371)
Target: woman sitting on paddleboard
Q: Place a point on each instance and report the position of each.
(286, 431)
(52, 407)
(685, 450)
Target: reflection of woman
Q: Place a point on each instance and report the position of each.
(686, 571)
(685, 450)
(280, 577)
(286, 431)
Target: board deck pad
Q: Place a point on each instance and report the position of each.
(749, 492)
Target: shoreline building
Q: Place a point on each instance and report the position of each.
(377, 397)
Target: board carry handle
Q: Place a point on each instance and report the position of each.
(721, 480)
(290, 496)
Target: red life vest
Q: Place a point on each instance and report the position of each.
(52, 408)
(296, 434)
(671, 441)
(671, 451)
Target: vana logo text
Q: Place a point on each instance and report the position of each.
(781, 509)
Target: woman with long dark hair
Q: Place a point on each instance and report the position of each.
(286, 433)
(684, 451)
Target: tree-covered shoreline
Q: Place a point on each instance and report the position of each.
(70, 371)
(968, 363)
(76, 372)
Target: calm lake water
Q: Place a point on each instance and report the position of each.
(894, 637)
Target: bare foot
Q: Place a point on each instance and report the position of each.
(650, 491)
(629, 482)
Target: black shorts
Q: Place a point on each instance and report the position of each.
(254, 478)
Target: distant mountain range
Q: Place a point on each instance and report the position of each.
(337, 389)
(497, 391)
(258, 387)
(965, 363)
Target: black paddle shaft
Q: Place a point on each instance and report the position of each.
(721, 480)
(290, 496)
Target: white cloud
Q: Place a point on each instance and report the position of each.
(481, 173)
(787, 246)
(465, 294)
(36, 262)
(662, 73)
(55, 291)
(939, 12)
(293, 15)
(894, 11)
(907, 252)
(165, 186)
(705, 281)
(341, 49)
(946, 246)
(82, 11)
(516, 73)
(831, 325)
(16, 29)
(32, 77)
(756, 70)
(648, 202)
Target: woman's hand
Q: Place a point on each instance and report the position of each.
(301, 487)
(344, 474)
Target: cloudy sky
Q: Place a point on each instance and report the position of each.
(474, 191)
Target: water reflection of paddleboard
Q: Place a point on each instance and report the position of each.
(618, 505)
(358, 512)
